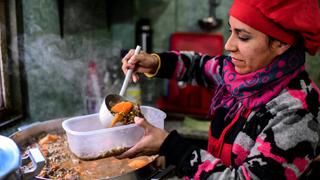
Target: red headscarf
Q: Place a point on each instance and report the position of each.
(285, 20)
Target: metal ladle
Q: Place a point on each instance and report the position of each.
(112, 99)
(105, 115)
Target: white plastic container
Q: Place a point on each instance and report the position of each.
(89, 139)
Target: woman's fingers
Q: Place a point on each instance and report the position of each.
(129, 57)
(142, 123)
(132, 152)
(142, 144)
(135, 77)
(140, 63)
(130, 61)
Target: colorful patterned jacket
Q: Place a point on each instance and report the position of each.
(277, 141)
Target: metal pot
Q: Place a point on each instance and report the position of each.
(23, 136)
(14, 166)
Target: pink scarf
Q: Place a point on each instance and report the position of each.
(253, 90)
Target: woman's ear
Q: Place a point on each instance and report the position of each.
(280, 47)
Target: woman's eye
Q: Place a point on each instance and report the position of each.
(243, 38)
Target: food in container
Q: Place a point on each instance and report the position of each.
(89, 139)
(124, 113)
(117, 110)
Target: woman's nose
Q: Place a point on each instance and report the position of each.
(230, 45)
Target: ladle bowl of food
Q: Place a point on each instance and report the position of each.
(108, 117)
(117, 110)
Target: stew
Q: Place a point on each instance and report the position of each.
(62, 164)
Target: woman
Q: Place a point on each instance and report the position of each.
(265, 110)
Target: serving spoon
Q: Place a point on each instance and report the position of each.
(105, 115)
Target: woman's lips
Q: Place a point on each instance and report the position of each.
(236, 62)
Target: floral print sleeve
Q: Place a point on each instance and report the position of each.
(190, 67)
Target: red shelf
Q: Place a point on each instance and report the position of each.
(190, 99)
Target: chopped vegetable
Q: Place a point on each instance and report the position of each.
(118, 117)
(48, 138)
(124, 112)
(123, 106)
(138, 163)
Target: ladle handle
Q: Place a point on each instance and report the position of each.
(128, 75)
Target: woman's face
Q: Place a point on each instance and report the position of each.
(250, 49)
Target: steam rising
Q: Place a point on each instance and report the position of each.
(57, 71)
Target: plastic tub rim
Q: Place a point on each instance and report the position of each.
(104, 130)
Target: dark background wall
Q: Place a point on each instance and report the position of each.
(61, 40)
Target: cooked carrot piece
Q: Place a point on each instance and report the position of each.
(123, 106)
(116, 119)
(48, 138)
(137, 163)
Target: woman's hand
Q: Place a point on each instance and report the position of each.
(140, 63)
(149, 144)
